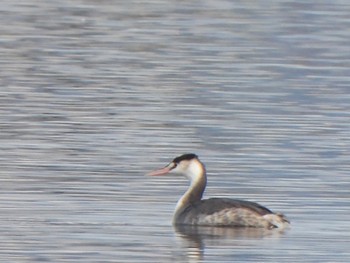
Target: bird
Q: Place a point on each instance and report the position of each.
(216, 212)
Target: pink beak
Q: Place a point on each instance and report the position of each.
(162, 171)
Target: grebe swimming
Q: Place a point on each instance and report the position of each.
(191, 210)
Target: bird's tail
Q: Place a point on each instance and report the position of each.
(277, 220)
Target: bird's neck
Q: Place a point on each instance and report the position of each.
(198, 181)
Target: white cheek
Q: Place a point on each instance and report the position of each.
(176, 170)
(194, 170)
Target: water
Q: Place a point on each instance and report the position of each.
(95, 94)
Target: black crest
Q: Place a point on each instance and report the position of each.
(187, 156)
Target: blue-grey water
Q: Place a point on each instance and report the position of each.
(94, 94)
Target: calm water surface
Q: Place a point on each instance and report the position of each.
(95, 94)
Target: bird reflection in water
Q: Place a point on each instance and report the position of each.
(194, 239)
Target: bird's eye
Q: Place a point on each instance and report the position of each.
(174, 165)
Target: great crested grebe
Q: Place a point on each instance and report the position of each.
(191, 210)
